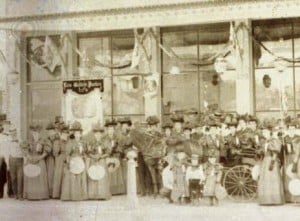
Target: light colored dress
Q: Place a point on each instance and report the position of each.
(213, 174)
(98, 189)
(270, 185)
(116, 178)
(74, 187)
(36, 188)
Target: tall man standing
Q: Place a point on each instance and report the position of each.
(16, 162)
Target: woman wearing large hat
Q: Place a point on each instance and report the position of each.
(35, 172)
(270, 186)
(110, 143)
(292, 162)
(59, 152)
(74, 185)
(98, 177)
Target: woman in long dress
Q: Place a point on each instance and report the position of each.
(74, 186)
(290, 143)
(35, 182)
(59, 152)
(110, 143)
(99, 188)
(270, 185)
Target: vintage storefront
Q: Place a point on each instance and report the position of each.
(152, 59)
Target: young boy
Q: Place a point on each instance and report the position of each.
(195, 179)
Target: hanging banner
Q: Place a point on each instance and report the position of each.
(83, 86)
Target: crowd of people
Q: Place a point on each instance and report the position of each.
(192, 150)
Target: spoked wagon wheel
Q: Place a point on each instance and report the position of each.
(239, 183)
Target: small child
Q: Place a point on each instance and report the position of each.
(213, 175)
(180, 190)
(195, 179)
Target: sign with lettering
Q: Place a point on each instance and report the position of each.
(83, 86)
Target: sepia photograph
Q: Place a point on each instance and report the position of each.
(149, 110)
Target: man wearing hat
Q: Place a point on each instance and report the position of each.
(153, 153)
(111, 144)
(51, 142)
(4, 138)
(16, 161)
(59, 152)
(125, 143)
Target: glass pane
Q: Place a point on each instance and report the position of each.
(184, 44)
(107, 96)
(180, 92)
(42, 108)
(268, 98)
(212, 40)
(297, 42)
(48, 60)
(228, 91)
(122, 48)
(96, 56)
(128, 95)
(297, 85)
(277, 37)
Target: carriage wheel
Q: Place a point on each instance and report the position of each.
(239, 183)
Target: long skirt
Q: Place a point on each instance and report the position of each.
(98, 189)
(296, 198)
(270, 186)
(116, 180)
(36, 188)
(210, 186)
(58, 176)
(288, 160)
(50, 172)
(180, 187)
(74, 186)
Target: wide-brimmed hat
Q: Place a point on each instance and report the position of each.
(152, 120)
(110, 123)
(188, 126)
(76, 126)
(191, 111)
(253, 119)
(64, 128)
(168, 124)
(125, 120)
(50, 126)
(12, 130)
(177, 118)
(2, 117)
(35, 127)
(98, 128)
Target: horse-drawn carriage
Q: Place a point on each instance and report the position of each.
(237, 173)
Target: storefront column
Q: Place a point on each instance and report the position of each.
(14, 82)
(244, 83)
(153, 102)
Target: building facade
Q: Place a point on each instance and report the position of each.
(152, 57)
